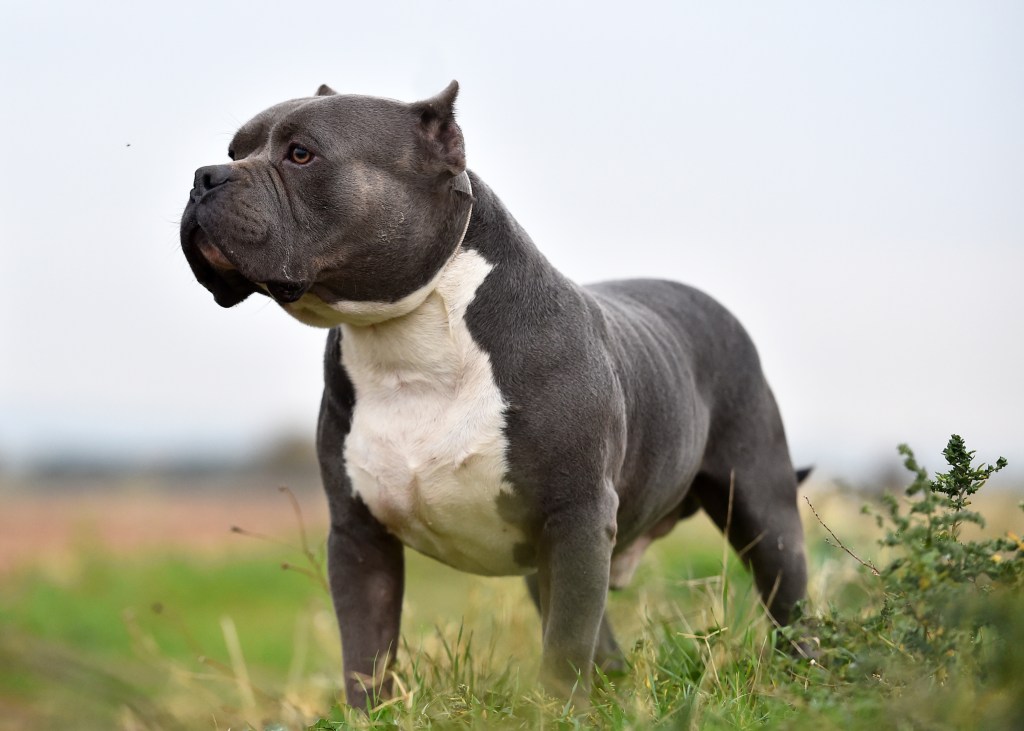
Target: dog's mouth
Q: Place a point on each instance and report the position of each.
(219, 274)
(211, 267)
(214, 256)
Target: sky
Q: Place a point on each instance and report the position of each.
(847, 178)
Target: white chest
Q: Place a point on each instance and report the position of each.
(426, 450)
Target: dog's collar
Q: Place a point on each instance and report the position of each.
(461, 184)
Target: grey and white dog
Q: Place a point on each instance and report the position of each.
(478, 406)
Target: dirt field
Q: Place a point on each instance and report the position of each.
(47, 524)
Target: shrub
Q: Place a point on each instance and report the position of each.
(943, 614)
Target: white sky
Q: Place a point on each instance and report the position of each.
(847, 177)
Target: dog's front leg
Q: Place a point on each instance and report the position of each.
(365, 563)
(367, 575)
(572, 576)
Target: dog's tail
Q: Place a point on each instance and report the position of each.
(802, 474)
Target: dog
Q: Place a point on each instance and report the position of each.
(478, 406)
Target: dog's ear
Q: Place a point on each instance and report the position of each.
(441, 136)
(325, 90)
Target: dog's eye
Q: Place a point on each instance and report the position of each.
(299, 155)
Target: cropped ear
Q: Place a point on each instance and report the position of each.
(325, 90)
(441, 137)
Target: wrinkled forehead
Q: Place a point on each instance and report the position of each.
(323, 119)
(254, 133)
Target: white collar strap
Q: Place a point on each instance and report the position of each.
(461, 184)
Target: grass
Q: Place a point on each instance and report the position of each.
(110, 637)
(176, 641)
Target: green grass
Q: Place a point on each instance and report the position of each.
(97, 632)
(149, 642)
(112, 637)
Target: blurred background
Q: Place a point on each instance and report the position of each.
(847, 178)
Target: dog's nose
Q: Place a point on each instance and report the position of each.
(210, 177)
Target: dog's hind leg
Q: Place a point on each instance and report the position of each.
(749, 490)
(533, 586)
(607, 654)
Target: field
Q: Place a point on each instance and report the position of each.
(139, 608)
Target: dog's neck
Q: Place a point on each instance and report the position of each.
(428, 345)
(358, 313)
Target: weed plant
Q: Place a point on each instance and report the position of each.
(937, 644)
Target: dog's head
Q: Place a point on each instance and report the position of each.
(341, 208)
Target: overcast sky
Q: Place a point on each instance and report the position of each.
(848, 178)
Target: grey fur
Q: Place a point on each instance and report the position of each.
(630, 404)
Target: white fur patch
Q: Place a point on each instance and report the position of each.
(312, 310)
(426, 451)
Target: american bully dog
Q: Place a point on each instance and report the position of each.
(479, 407)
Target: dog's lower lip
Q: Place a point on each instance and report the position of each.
(214, 255)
